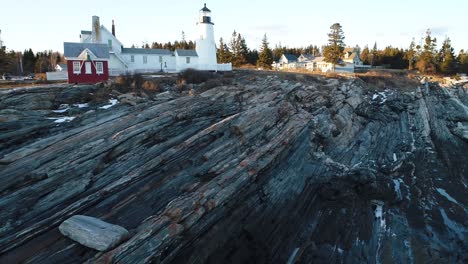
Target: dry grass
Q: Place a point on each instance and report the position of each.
(390, 79)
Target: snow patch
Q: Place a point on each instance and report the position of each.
(112, 102)
(81, 105)
(60, 110)
(382, 96)
(446, 195)
(62, 119)
(397, 188)
(379, 214)
(394, 157)
(65, 107)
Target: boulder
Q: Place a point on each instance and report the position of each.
(93, 233)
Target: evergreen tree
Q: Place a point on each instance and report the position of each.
(265, 58)
(462, 61)
(448, 60)
(43, 62)
(277, 52)
(252, 57)
(7, 61)
(223, 54)
(29, 60)
(374, 55)
(312, 50)
(239, 49)
(365, 56)
(411, 55)
(243, 49)
(333, 52)
(427, 60)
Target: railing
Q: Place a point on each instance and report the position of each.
(117, 72)
(224, 67)
(57, 76)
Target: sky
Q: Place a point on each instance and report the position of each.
(46, 24)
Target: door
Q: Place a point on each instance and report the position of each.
(88, 67)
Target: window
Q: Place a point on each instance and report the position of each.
(145, 59)
(132, 58)
(160, 59)
(187, 60)
(76, 67)
(109, 43)
(99, 68)
(88, 67)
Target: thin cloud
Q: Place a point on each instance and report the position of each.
(278, 28)
(436, 31)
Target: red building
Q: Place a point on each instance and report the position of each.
(87, 62)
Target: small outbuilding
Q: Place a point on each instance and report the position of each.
(87, 62)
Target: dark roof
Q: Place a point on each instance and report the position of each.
(187, 53)
(308, 56)
(63, 65)
(86, 32)
(147, 51)
(290, 57)
(73, 50)
(205, 9)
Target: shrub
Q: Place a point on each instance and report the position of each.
(121, 80)
(129, 83)
(151, 86)
(194, 76)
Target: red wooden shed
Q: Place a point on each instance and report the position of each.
(87, 62)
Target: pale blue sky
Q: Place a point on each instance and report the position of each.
(46, 24)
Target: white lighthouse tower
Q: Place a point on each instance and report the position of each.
(205, 44)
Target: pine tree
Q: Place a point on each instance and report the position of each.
(223, 53)
(252, 57)
(411, 55)
(448, 61)
(427, 61)
(374, 55)
(333, 52)
(277, 52)
(365, 56)
(265, 58)
(462, 61)
(243, 49)
(29, 60)
(238, 49)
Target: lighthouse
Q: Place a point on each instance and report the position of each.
(205, 43)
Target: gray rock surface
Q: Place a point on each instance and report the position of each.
(268, 168)
(92, 232)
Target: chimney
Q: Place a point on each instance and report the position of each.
(96, 30)
(113, 28)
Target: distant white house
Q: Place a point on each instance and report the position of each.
(139, 60)
(349, 62)
(351, 55)
(285, 62)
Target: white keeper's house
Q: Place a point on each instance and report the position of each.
(139, 60)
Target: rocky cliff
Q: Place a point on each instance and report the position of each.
(265, 168)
